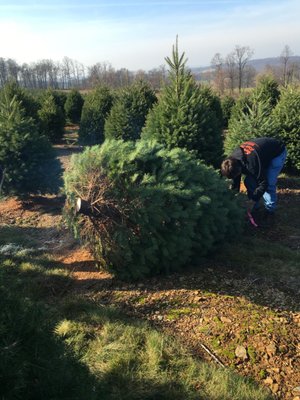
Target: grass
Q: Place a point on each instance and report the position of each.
(260, 256)
(178, 312)
(15, 235)
(55, 345)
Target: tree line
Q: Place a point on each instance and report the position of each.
(70, 73)
(227, 73)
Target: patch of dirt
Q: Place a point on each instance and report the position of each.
(40, 217)
(10, 207)
(34, 211)
(82, 265)
(68, 146)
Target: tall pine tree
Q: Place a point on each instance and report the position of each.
(183, 117)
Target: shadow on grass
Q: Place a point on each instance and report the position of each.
(30, 239)
(289, 182)
(38, 364)
(16, 235)
(44, 204)
(34, 363)
(66, 150)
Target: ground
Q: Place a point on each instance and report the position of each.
(240, 308)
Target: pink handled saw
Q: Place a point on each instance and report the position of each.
(251, 219)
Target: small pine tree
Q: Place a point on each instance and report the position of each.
(227, 104)
(60, 98)
(73, 106)
(29, 104)
(52, 120)
(213, 102)
(287, 119)
(128, 114)
(153, 209)
(268, 90)
(241, 106)
(251, 117)
(26, 156)
(182, 117)
(95, 110)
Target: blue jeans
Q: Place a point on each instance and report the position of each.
(273, 170)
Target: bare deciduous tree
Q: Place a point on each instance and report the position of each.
(79, 71)
(217, 63)
(249, 76)
(242, 55)
(157, 76)
(284, 58)
(12, 69)
(230, 71)
(69, 71)
(3, 71)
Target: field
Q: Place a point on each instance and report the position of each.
(238, 310)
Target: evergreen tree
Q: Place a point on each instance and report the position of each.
(182, 117)
(241, 106)
(251, 117)
(60, 99)
(153, 210)
(287, 119)
(213, 102)
(95, 110)
(128, 114)
(73, 106)
(227, 104)
(268, 90)
(29, 104)
(25, 155)
(52, 120)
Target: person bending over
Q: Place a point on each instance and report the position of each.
(261, 161)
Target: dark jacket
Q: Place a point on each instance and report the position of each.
(255, 156)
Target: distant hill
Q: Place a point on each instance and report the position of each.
(259, 64)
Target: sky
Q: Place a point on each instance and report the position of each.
(139, 34)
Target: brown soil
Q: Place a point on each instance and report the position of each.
(249, 323)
